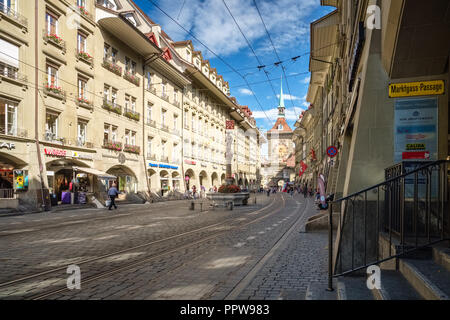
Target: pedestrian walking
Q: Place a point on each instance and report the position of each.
(112, 193)
(305, 190)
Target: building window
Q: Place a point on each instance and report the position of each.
(81, 42)
(82, 88)
(114, 96)
(149, 80)
(280, 127)
(114, 133)
(106, 133)
(163, 148)
(163, 117)
(175, 95)
(163, 89)
(133, 138)
(175, 152)
(106, 51)
(51, 23)
(8, 118)
(51, 125)
(9, 59)
(133, 104)
(175, 121)
(81, 3)
(114, 54)
(149, 145)
(149, 111)
(52, 75)
(82, 128)
(127, 64)
(133, 67)
(127, 102)
(127, 136)
(106, 92)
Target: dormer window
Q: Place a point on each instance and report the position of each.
(280, 127)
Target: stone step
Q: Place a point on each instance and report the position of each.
(441, 255)
(394, 286)
(429, 279)
(353, 288)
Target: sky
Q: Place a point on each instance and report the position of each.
(288, 24)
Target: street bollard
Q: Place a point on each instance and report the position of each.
(255, 199)
(201, 206)
(192, 207)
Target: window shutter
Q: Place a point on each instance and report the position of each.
(9, 53)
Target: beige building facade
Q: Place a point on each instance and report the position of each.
(95, 93)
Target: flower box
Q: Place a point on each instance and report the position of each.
(131, 149)
(83, 102)
(132, 115)
(54, 90)
(83, 11)
(111, 107)
(55, 39)
(112, 145)
(85, 56)
(131, 77)
(115, 68)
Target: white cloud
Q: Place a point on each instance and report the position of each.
(306, 80)
(211, 23)
(273, 113)
(245, 91)
(289, 97)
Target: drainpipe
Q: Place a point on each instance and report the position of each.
(36, 101)
(143, 127)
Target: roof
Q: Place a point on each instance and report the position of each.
(283, 122)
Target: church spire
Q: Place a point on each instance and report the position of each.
(281, 104)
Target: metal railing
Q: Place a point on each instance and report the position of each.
(52, 137)
(7, 194)
(4, 9)
(409, 210)
(11, 73)
(151, 123)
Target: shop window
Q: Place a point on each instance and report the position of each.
(8, 118)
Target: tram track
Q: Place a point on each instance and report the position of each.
(157, 254)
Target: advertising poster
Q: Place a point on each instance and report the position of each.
(416, 129)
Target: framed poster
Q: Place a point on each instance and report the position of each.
(416, 129)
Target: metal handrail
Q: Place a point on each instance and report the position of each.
(402, 218)
(4, 9)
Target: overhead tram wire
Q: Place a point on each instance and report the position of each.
(215, 54)
(251, 48)
(278, 57)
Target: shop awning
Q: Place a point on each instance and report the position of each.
(95, 172)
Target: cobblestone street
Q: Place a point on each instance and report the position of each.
(164, 251)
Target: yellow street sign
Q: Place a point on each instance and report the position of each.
(421, 88)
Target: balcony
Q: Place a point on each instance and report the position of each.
(85, 103)
(131, 77)
(131, 114)
(165, 159)
(165, 97)
(112, 106)
(85, 57)
(152, 156)
(113, 67)
(81, 142)
(165, 128)
(9, 13)
(54, 91)
(13, 131)
(52, 137)
(112, 145)
(12, 73)
(151, 123)
(55, 40)
(132, 148)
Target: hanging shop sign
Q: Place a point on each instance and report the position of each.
(21, 179)
(332, 151)
(416, 129)
(7, 145)
(303, 168)
(229, 124)
(421, 88)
